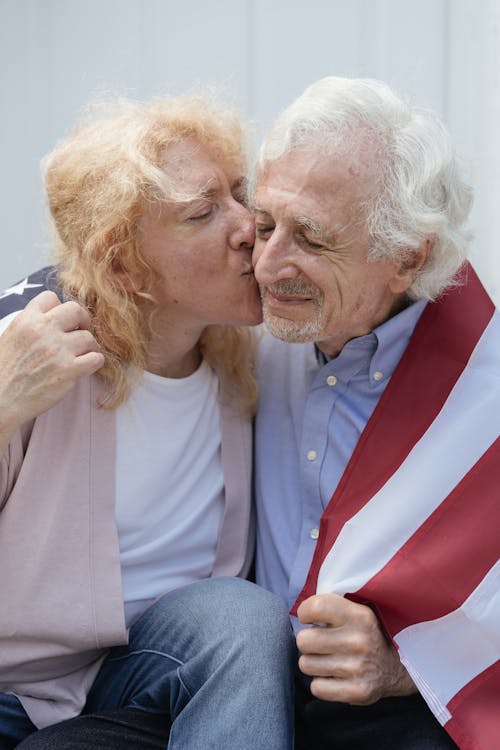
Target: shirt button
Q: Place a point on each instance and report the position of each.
(312, 455)
(331, 380)
(314, 533)
(378, 375)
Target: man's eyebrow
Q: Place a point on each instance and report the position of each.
(314, 228)
(303, 222)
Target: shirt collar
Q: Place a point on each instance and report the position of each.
(392, 339)
(377, 353)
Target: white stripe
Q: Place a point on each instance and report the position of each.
(449, 652)
(463, 430)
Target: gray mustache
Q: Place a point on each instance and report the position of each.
(289, 286)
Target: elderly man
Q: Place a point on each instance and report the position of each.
(377, 434)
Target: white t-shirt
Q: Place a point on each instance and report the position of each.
(169, 484)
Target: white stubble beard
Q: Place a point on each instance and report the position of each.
(291, 330)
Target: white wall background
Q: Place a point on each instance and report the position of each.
(55, 54)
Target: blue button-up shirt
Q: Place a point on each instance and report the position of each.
(311, 414)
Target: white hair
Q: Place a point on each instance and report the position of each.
(421, 194)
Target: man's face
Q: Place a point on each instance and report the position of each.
(201, 250)
(311, 249)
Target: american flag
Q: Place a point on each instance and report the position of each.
(16, 297)
(413, 528)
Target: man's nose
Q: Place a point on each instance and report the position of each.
(273, 259)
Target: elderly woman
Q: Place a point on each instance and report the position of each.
(126, 440)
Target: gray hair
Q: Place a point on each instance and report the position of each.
(421, 196)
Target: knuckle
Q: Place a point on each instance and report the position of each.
(51, 297)
(44, 297)
(71, 306)
(317, 690)
(367, 617)
(361, 696)
(304, 664)
(75, 310)
(315, 607)
(301, 640)
(358, 673)
(356, 642)
(87, 339)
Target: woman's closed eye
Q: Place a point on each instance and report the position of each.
(202, 213)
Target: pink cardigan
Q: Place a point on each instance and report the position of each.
(60, 581)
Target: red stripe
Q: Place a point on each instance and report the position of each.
(447, 557)
(475, 710)
(433, 361)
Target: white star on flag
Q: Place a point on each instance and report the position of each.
(19, 288)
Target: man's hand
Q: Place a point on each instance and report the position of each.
(43, 352)
(349, 657)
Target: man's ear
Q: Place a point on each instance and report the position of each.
(409, 267)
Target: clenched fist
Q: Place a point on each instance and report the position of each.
(348, 654)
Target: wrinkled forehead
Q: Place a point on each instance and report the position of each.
(190, 154)
(193, 168)
(345, 174)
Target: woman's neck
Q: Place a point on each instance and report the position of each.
(175, 354)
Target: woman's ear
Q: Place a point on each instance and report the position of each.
(121, 262)
(408, 269)
(121, 278)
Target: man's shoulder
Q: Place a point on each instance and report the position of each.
(17, 296)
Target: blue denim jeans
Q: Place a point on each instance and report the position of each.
(209, 665)
(14, 723)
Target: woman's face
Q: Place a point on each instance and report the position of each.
(201, 249)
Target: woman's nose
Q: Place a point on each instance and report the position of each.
(243, 233)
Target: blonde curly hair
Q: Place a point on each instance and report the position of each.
(99, 182)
